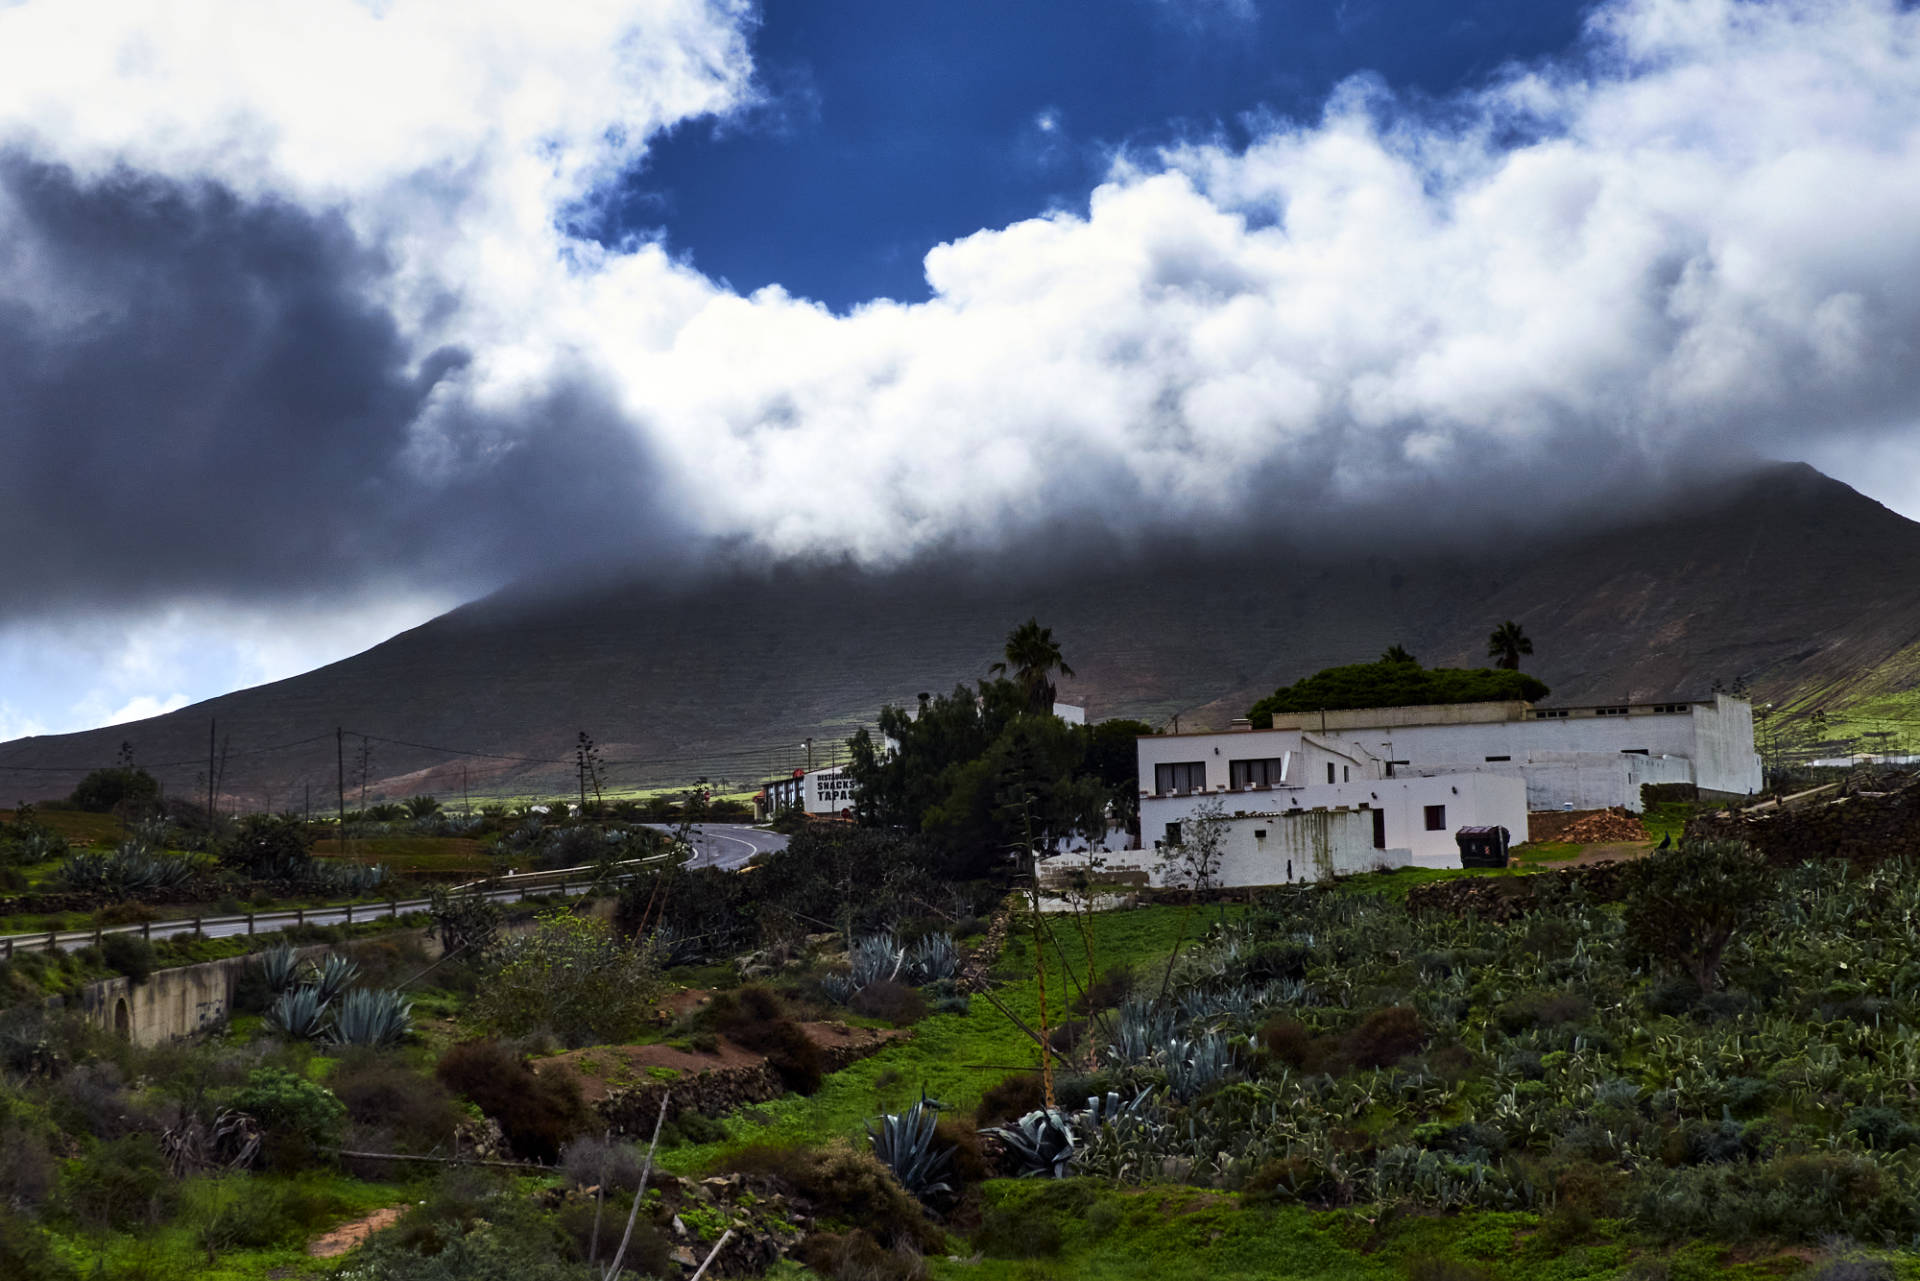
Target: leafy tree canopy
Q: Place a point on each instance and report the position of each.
(1394, 682)
(107, 789)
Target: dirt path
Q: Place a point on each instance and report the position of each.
(332, 1244)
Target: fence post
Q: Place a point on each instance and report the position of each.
(349, 914)
(53, 944)
(146, 929)
(299, 916)
(563, 885)
(96, 934)
(196, 924)
(249, 922)
(9, 947)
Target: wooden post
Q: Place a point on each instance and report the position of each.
(249, 922)
(196, 924)
(146, 929)
(349, 914)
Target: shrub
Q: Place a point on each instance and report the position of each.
(537, 1113)
(573, 977)
(754, 1018)
(856, 1256)
(412, 1111)
(1384, 1037)
(297, 1117)
(128, 954)
(118, 1185)
(890, 1000)
(1010, 1097)
(1293, 1043)
(590, 1161)
(26, 1251)
(106, 790)
(1541, 1009)
(840, 1184)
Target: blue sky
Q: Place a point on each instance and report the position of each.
(894, 126)
(342, 313)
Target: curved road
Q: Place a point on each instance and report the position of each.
(728, 845)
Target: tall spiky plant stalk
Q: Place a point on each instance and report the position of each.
(1039, 950)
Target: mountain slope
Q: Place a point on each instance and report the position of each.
(1784, 577)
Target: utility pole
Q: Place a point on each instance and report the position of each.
(210, 731)
(466, 801)
(809, 746)
(340, 764)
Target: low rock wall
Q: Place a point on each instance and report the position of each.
(1863, 827)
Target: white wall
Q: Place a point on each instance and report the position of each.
(1308, 756)
(1258, 849)
(1471, 800)
(1726, 760)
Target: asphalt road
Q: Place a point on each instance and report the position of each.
(728, 845)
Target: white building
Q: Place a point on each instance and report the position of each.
(1288, 771)
(1570, 757)
(1279, 848)
(818, 792)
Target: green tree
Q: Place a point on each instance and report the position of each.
(1399, 654)
(573, 977)
(1390, 684)
(106, 790)
(1031, 658)
(1113, 757)
(1685, 905)
(1506, 643)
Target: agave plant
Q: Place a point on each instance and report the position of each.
(371, 1016)
(1140, 1029)
(1043, 1141)
(875, 958)
(1110, 1109)
(933, 958)
(281, 968)
(1196, 1066)
(299, 1012)
(839, 988)
(333, 975)
(905, 1144)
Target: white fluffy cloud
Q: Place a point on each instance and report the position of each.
(1695, 235)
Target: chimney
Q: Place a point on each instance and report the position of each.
(1241, 723)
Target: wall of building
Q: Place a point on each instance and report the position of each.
(1471, 800)
(1307, 756)
(1258, 849)
(1726, 761)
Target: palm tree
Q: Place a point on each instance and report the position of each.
(1032, 657)
(1506, 644)
(1398, 654)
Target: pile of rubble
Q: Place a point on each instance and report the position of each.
(1585, 827)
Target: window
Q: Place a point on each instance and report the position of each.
(1180, 776)
(1673, 708)
(1436, 818)
(1499, 758)
(1609, 711)
(1551, 714)
(1346, 773)
(1633, 751)
(1329, 771)
(1259, 833)
(1379, 829)
(1173, 833)
(1257, 773)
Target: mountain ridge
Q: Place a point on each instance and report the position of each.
(1783, 577)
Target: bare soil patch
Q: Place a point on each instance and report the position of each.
(332, 1244)
(602, 1069)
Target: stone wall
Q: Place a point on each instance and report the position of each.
(1864, 827)
(632, 1110)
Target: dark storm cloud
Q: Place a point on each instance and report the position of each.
(198, 397)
